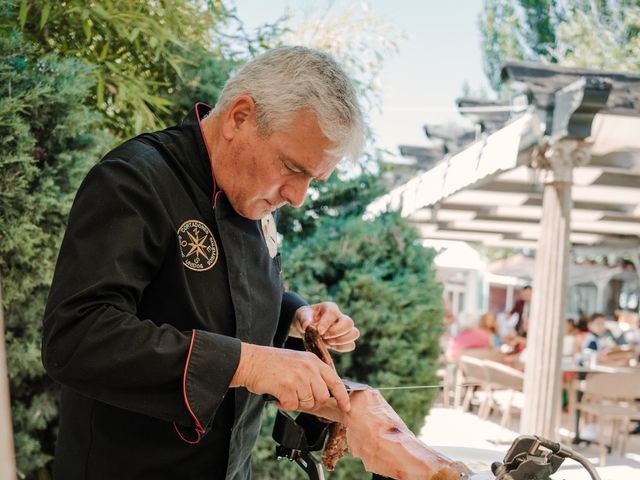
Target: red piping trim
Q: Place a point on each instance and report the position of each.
(198, 428)
(185, 439)
(214, 198)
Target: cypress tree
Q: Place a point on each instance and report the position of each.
(48, 141)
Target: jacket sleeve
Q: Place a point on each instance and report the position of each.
(290, 303)
(116, 240)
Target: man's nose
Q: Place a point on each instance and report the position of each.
(295, 191)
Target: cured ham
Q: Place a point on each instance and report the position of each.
(375, 433)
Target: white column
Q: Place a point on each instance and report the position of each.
(542, 380)
(509, 300)
(471, 293)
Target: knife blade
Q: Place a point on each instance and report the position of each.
(353, 386)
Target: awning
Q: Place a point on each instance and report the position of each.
(496, 153)
(489, 194)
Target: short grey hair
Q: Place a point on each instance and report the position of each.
(286, 80)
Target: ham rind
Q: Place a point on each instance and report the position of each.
(336, 444)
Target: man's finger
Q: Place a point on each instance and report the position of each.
(351, 336)
(337, 389)
(288, 402)
(342, 326)
(329, 315)
(305, 316)
(306, 398)
(320, 393)
(347, 347)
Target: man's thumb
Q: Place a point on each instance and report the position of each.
(305, 316)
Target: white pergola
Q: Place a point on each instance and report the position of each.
(490, 193)
(565, 172)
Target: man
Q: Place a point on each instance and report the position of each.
(167, 302)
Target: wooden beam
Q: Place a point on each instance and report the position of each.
(611, 179)
(616, 160)
(581, 205)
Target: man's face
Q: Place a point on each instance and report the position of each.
(265, 173)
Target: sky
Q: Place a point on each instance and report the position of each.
(440, 50)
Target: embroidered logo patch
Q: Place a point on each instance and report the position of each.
(270, 234)
(197, 245)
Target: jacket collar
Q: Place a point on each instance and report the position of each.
(198, 164)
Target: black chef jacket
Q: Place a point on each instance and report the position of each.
(153, 292)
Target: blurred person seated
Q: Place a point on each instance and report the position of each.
(448, 324)
(470, 336)
(591, 349)
(574, 334)
(618, 337)
(489, 322)
(571, 347)
(569, 342)
(517, 341)
(597, 326)
(618, 346)
(628, 322)
(506, 323)
(580, 333)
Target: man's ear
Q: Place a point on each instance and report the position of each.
(240, 114)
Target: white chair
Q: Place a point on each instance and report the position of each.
(460, 379)
(611, 397)
(505, 389)
(473, 373)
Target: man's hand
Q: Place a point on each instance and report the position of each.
(337, 329)
(299, 380)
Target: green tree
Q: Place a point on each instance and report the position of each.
(378, 272)
(140, 49)
(603, 35)
(202, 82)
(595, 34)
(130, 62)
(499, 28)
(48, 140)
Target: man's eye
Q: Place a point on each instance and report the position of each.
(291, 169)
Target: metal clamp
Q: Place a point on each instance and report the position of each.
(297, 438)
(536, 458)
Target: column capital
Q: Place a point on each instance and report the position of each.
(560, 157)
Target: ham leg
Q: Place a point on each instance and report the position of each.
(375, 433)
(378, 436)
